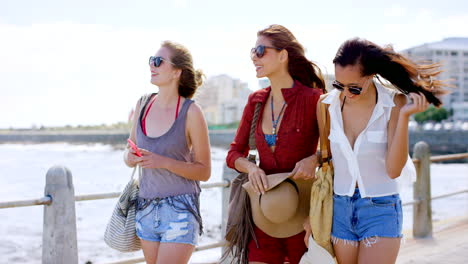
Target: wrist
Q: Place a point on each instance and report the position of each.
(125, 157)
(165, 163)
(251, 167)
(404, 117)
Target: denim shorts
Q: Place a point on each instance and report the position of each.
(167, 220)
(356, 218)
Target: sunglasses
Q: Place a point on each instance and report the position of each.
(156, 61)
(259, 51)
(351, 88)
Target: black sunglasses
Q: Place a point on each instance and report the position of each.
(259, 51)
(156, 61)
(352, 88)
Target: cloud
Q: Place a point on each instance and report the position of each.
(180, 3)
(395, 11)
(72, 73)
(68, 73)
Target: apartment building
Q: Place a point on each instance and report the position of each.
(223, 99)
(452, 53)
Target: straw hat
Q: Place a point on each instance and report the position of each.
(281, 211)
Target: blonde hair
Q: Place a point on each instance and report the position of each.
(190, 79)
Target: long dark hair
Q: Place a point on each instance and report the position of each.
(190, 79)
(406, 75)
(300, 68)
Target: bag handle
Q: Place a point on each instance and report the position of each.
(324, 133)
(253, 126)
(134, 170)
(144, 100)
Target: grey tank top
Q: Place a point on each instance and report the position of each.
(161, 183)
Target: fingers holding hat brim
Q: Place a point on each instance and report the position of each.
(273, 181)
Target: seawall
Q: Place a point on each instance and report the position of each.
(441, 142)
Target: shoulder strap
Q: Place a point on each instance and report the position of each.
(324, 141)
(253, 127)
(144, 100)
(185, 106)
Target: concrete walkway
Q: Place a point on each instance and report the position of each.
(449, 245)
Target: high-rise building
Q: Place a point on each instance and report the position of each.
(452, 54)
(223, 99)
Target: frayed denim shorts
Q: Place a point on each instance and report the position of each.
(356, 219)
(168, 220)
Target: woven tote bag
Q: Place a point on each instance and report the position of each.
(120, 232)
(321, 196)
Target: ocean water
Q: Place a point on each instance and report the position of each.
(99, 168)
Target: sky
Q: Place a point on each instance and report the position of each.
(86, 62)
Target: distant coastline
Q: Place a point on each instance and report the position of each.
(115, 137)
(441, 142)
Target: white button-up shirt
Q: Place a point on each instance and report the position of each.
(365, 164)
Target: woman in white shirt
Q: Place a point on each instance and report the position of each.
(369, 145)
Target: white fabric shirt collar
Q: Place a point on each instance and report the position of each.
(351, 164)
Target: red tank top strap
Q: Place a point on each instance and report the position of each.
(143, 120)
(177, 109)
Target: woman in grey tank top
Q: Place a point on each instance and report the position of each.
(172, 138)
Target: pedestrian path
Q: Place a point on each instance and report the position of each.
(448, 245)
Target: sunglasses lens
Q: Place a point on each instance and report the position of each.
(338, 87)
(155, 61)
(352, 89)
(260, 51)
(355, 90)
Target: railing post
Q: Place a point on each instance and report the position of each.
(228, 175)
(59, 243)
(422, 211)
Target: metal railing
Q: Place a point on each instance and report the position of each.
(59, 230)
(60, 204)
(438, 159)
(47, 200)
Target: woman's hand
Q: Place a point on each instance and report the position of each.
(258, 178)
(419, 104)
(308, 230)
(150, 160)
(305, 168)
(131, 158)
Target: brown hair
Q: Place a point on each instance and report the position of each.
(190, 79)
(406, 75)
(300, 68)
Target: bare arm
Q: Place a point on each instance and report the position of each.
(314, 158)
(256, 175)
(397, 140)
(244, 165)
(129, 158)
(200, 168)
